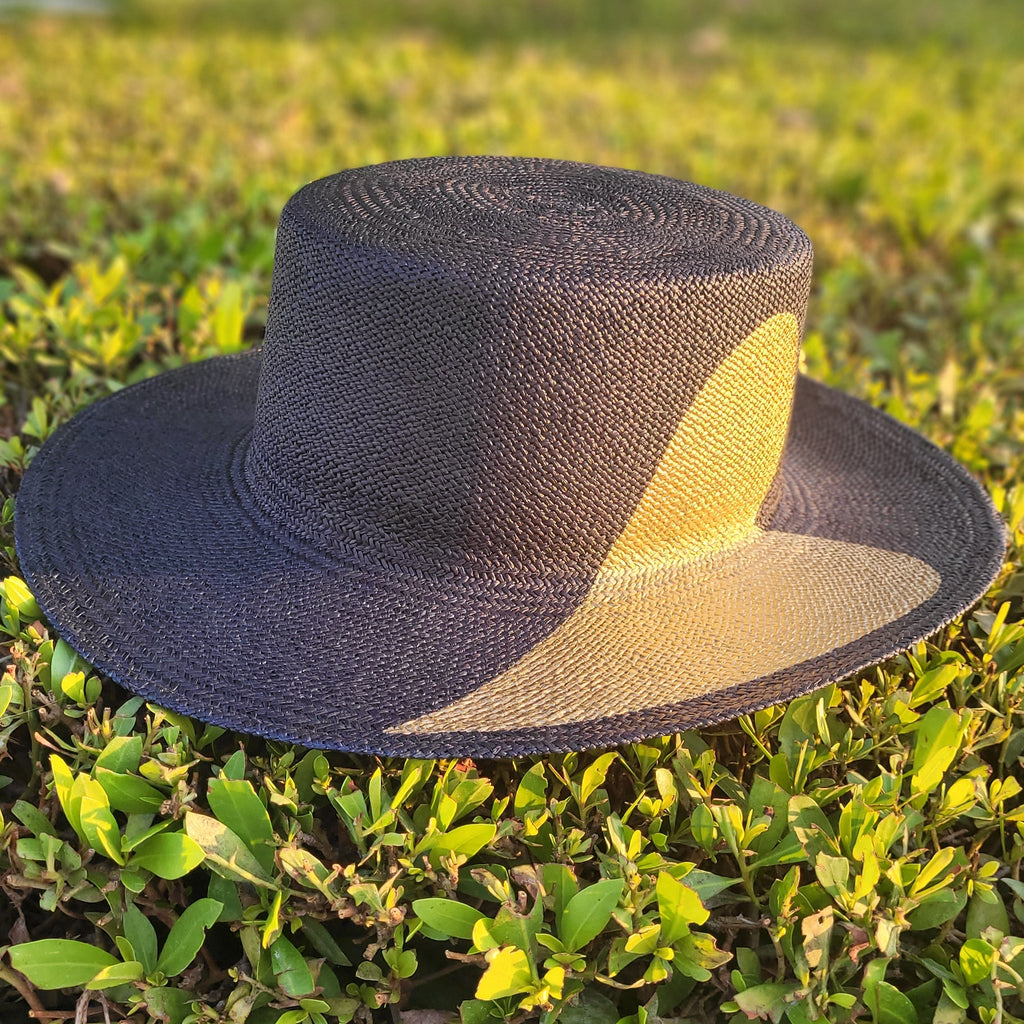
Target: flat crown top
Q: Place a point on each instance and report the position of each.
(555, 215)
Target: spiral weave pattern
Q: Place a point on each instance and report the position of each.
(475, 365)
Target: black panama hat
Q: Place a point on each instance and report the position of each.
(524, 464)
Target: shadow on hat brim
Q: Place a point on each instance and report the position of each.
(139, 541)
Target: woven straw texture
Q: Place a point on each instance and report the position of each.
(524, 464)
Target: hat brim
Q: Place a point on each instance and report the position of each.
(139, 541)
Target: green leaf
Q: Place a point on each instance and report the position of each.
(59, 963)
(290, 968)
(225, 851)
(116, 974)
(168, 855)
(476, 1011)
(450, 917)
(588, 912)
(936, 745)
(766, 1002)
(509, 928)
(62, 662)
(976, 959)
(140, 933)
(986, 910)
(530, 796)
(560, 883)
(593, 777)
(186, 936)
(403, 964)
(369, 971)
(236, 805)
(225, 891)
(128, 793)
(234, 766)
(678, 907)
(33, 818)
(467, 840)
(292, 1017)
(938, 908)
(323, 942)
(705, 883)
(833, 873)
(799, 726)
(414, 773)
(888, 1005)
(811, 827)
(122, 754)
(702, 826)
(592, 1008)
(137, 830)
(933, 684)
(508, 973)
(168, 1004)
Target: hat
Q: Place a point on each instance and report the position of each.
(524, 464)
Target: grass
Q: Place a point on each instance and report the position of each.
(848, 865)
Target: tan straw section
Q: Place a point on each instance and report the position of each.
(718, 468)
(693, 597)
(770, 604)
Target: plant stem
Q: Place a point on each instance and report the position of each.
(25, 990)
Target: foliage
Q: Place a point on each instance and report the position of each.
(855, 855)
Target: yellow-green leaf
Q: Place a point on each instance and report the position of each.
(306, 869)
(466, 840)
(679, 907)
(116, 974)
(121, 754)
(937, 743)
(98, 822)
(20, 598)
(64, 784)
(73, 686)
(508, 973)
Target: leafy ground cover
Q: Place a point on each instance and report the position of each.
(854, 856)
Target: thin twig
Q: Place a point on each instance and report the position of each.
(24, 988)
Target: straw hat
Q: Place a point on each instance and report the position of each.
(524, 464)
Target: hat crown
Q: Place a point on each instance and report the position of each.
(516, 365)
